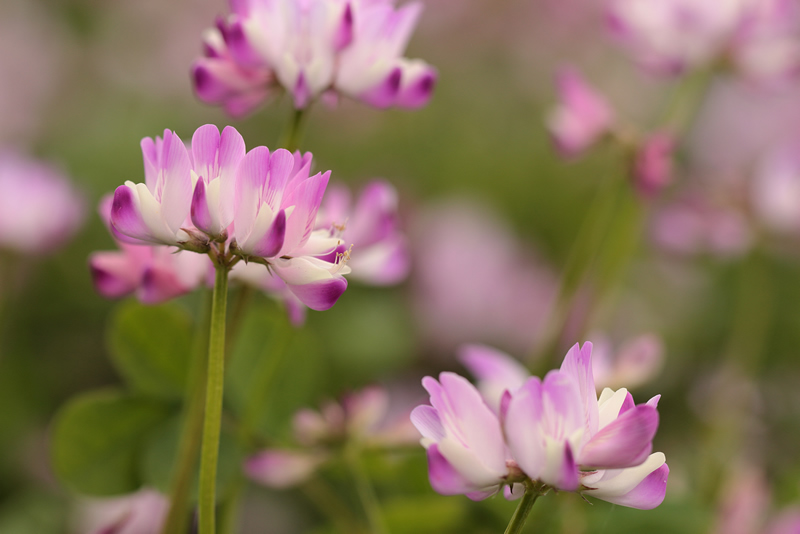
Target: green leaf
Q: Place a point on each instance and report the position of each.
(97, 440)
(274, 370)
(151, 347)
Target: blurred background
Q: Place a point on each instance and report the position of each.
(498, 225)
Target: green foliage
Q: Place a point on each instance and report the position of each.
(409, 515)
(97, 440)
(151, 347)
(158, 458)
(268, 350)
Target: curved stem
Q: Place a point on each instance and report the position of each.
(523, 509)
(213, 410)
(291, 137)
(365, 491)
(192, 433)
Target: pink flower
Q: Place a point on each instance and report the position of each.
(143, 512)
(560, 433)
(219, 78)
(555, 431)
(582, 116)
(775, 188)
(216, 199)
(380, 253)
(350, 47)
(693, 225)
(758, 37)
(276, 206)
(637, 361)
(156, 211)
(462, 437)
(39, 209)
(652, 166)
(502, 298)
(154, 273)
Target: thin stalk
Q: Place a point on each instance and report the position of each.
(365, 491)
(294, 131)
(192, 433)
(581, 257)
(523, 509)
(213, 411)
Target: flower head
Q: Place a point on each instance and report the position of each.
(555, 431)
(582, 117)
(350, 47)
(39, 208)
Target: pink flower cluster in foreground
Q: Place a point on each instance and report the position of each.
(756, 37)
(39, 208)
(555, 431)
(217, 198)
(299, 275)
(348, 47)
(363, 417)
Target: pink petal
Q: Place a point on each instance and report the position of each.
(625, 442)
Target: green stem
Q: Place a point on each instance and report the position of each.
(523, 509)
(192, 433)
(213, 410)
(581, 257)
(365, 491)
(291, 137)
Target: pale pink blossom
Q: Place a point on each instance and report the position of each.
(635, 362)
(40, 210)
(583, 116)
(475, 282)
(775, 187)
(652, 165)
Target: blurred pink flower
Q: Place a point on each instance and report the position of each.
(652, 166)
(693, 225)
(775, 188)
(348, 47)
(138, 513)
(757, 37)
(364, 417)
(503, 298)
(637, 361)
(154, 273)
(582, 116)
(40, 210)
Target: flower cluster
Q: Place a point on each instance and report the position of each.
(756, 37)
(348, 47)
(555, 431)
(157, 273)
(362, 417)
(217, 199)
